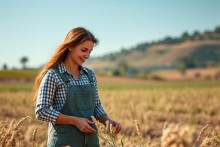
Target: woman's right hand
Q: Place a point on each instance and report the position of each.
(83, 125)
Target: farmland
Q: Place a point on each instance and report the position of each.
(151, 103)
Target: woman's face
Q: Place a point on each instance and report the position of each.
(80, 53)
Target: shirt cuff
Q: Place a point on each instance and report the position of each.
(55, 115)
(47, 115)
(99, 111)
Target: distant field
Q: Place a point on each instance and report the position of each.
(200, 74)
(16, 87)
(190, 74)
(18, 74)
(120, 86)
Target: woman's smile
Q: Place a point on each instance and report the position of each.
(82, 59)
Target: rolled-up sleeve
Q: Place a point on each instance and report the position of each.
(45, 99)
(99, 111)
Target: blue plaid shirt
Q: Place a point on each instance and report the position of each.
(52, 94)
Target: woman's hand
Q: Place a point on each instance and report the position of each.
(83, 125)
(116, 125)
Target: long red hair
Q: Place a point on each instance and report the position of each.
(74, 37)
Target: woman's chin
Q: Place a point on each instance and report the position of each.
(80, 63)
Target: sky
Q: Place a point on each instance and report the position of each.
(35, 29)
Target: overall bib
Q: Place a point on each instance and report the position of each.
(80, 102)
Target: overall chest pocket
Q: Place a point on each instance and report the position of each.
(64, 130)
(85, 100)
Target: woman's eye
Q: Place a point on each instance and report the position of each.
(85, 50)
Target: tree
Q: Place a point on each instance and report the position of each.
(197, 35)
(185, 36)
(182, 69)
(217, 30)
(121, 68)
(112, 57)
(188, 62)
(5, 67)
(168, 40)
(23, 61)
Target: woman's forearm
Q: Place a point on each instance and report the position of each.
(65, 119)
(103, 118)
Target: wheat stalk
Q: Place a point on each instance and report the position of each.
(106, 132)
(174, 135)
(19, 124)
(138, 128)
(12, 141)
(211, 141)
(202, 132)
(34, 135)
(9, 132)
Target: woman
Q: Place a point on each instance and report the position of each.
(67, 94)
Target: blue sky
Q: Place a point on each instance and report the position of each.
(35, 28)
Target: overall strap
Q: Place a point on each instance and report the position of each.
(91, 79)
(63, 76)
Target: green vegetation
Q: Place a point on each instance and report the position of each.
(18, 74)
(16, 87)
(121, 86)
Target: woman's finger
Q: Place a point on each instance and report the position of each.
(89, 121)
(118, 128)
(90, 129)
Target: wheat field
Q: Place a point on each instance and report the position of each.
(150, 113)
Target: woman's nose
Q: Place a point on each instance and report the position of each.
(87, 56)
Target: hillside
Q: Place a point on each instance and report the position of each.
(197, 50)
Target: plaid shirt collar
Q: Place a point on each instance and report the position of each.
(63, 69)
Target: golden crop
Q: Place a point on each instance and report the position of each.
(150, 116)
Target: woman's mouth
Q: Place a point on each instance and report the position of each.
(83, 60)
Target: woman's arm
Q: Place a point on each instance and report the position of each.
(45, 98)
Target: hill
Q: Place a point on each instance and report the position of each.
(198, 50)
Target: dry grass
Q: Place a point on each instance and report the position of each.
(174, 135)
(10, 134)
(151, 107)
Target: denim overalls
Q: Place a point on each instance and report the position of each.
(80, 102)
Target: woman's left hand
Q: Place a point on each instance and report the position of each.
(116, 125)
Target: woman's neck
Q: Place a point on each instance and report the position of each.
(72, 68)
